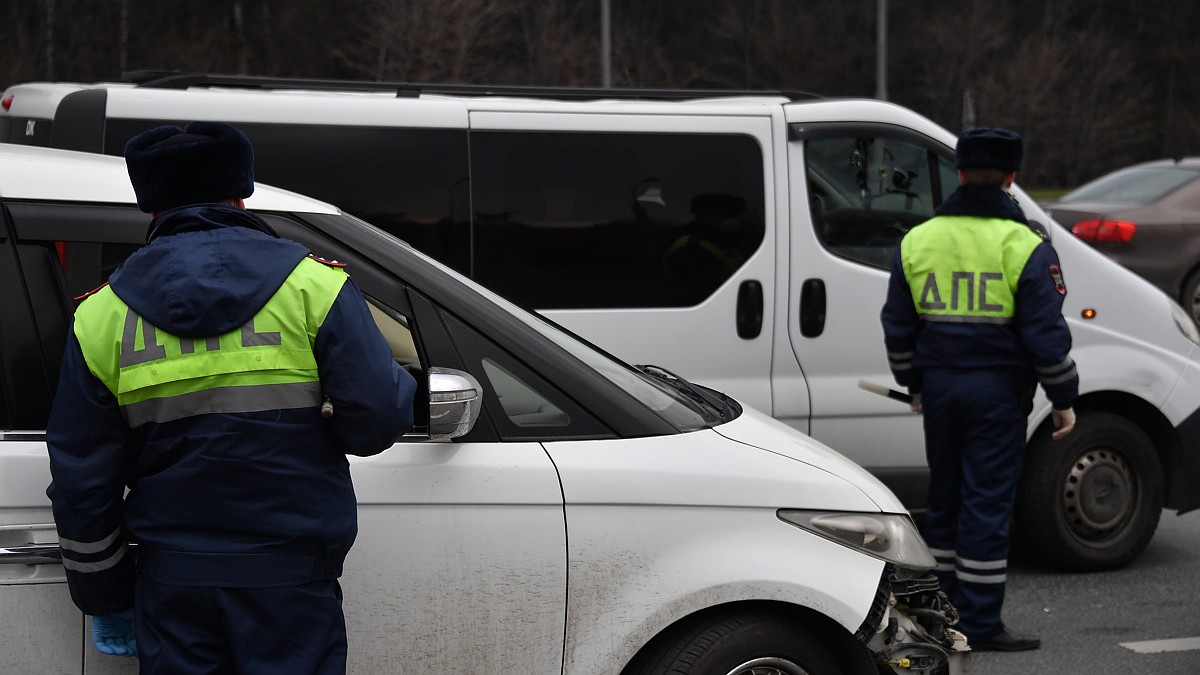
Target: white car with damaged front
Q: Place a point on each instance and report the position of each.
(554, 511)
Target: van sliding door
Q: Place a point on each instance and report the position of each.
(653, 237)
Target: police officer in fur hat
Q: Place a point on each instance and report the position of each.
(188, 420)
(972, 324)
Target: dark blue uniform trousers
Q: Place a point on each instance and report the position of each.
(290, 630)
(975, 424)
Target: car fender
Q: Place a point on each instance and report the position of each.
(675, 562)
(659, 529)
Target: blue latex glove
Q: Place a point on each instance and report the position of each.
(113, 634)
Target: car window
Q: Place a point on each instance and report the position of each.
(522, 404)
(678, 408)
(612, 220)
(549, 220)
(65, 251)
(395, 330)
(866, 191)
(62, 251)
(87, 265)
(1136, 186)
(411, 182)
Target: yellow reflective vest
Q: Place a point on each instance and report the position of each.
(267, 364)
(965, 269)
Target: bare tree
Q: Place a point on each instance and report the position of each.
(946, 52)
(823, 46)
(413, 40)
(559, 42)
(1090, 85)
(49, 45)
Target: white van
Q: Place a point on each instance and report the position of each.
(554, 511)
(742, 241)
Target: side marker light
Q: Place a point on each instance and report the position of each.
(1088, 313)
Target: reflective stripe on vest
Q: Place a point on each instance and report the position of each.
(267, 364)
(965, 269)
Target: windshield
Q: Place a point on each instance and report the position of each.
(671, 398)
(1136, 186)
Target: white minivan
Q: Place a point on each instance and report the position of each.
(742, 241)
(554, 511)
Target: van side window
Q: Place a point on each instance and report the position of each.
(410, 182)
(865, 192)
(613, 220)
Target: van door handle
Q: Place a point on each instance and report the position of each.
(749, 309)
(812, 308)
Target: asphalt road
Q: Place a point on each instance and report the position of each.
(1110, 622)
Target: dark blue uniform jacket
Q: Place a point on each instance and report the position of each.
(233, 499)
(1036, 344)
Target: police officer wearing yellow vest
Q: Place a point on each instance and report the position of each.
(972, 323)
(195, 380)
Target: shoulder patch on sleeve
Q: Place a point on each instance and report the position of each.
(90, 293)
(1056, 276)
(323, 261)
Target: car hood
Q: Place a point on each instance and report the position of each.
(764, 432)
(750, 462)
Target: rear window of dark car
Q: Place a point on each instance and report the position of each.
(1134, 186)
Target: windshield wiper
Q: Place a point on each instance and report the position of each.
(724, 409)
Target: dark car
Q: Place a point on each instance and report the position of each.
(1146, 217)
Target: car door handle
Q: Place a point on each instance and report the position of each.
(749, 309)
(31, 554)
(812, 308)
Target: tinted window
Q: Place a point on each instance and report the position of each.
(409, 182)
(88, 241)
(592, 220)
(65, 251)
(551, 220)
(865, 192)
(523, 405)
(61, 251)
(670, 403)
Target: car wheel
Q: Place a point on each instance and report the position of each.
(747, 644)
(1092, 500)
(1190, 297)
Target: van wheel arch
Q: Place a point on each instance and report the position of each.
(1163, 436)
(814, 636)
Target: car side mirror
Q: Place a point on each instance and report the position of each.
(455, 399)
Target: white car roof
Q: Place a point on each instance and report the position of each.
(28, 172)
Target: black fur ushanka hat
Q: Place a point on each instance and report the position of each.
(202, 163)
(993, 148)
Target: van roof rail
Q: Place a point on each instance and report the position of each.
(182, 80)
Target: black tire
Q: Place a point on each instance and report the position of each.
(1091, 501)
(746, 644)
(1189, 297)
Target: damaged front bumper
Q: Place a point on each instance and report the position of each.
(910, 628)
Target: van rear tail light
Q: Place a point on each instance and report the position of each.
(6, 103)
(1120, 231)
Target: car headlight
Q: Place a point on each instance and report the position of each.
(1185, 322)
(891, 537)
